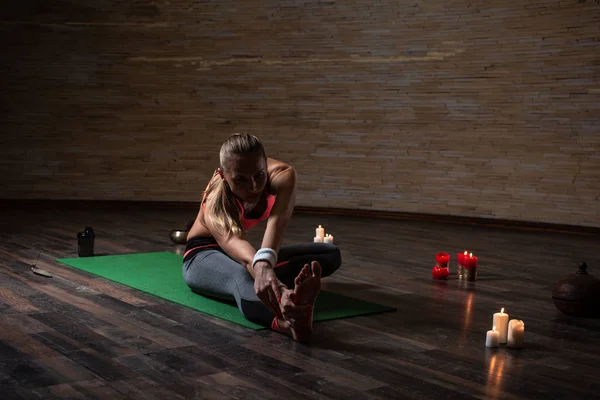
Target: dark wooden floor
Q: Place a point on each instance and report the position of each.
(78, 336)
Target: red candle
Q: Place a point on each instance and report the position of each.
(460, 257)
(442, 259)
(440, 273)
(470, 261)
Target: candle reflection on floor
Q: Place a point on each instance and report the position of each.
(179, 250)
(441, 291)
(497, 363)
(469, 309)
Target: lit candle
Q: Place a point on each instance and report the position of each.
(516, 334)
(500, 321)
(328, 238)
(469, 261)
(460, 269)
(467, 268)
(460, 256)
(318, 239)
(320, 232)
(492, 339)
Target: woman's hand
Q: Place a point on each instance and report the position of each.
(267, 287)
(292, 312)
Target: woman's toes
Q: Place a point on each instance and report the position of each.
(316, 268)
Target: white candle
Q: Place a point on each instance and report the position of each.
(320, 232)
(516, 333)
(328, 239)
(492, 338)
(501, 323)
(318, 239)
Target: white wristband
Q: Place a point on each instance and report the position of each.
(265, 254)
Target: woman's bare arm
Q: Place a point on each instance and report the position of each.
(235, 246)
(284, 183)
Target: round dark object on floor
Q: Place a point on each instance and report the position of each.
(578, 294)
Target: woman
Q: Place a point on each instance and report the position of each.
(277, 285)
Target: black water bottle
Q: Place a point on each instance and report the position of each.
(90, 232)
(85, 242)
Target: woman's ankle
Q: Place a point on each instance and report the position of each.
(299, 334)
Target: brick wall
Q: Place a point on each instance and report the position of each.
(468, 108)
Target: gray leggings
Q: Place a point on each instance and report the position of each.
(213, 273)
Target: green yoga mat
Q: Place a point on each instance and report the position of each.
(160, 274)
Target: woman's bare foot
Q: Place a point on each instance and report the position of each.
(297, 305)
(308, 284)
(294, 320)
(306, 290)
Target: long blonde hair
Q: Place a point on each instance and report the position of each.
(221, 207)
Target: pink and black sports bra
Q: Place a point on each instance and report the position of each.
(248, 223)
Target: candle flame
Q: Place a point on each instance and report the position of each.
(502, 311)
(319, 226)
(494, 328)
(471, 255)
(465, 253)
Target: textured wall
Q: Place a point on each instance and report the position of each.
(470, 108)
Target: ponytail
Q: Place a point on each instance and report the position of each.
(221, 207)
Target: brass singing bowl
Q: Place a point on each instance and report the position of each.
(178, 236)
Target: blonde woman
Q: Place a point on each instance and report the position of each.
(275, 286)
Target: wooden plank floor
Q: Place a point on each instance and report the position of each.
(78, 336)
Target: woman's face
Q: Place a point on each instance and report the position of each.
(247, 176)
